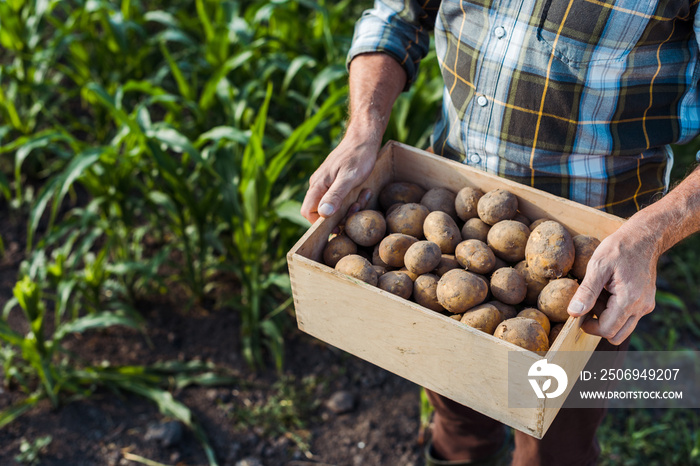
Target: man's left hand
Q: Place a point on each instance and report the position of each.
(625, 265)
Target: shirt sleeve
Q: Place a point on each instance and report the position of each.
(400, 29)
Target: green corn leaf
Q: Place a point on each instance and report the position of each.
(204, 20)
(9, 335)
(169, 406)
(26, 145)
(280, 280)
(182, 84)
(98, 92)
(291, 210)
(75, 169)
(670, 299)
(274, 341)
(299, 136)
(223, 133)
(176, 141)
(327, 76)
(297, 64)
(93, 321)
(229, 65)
(5, 186)
(13, 412)
(38, 209)
(163, 17)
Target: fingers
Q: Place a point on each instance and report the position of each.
(364, 197)
(588, 291)
(619, 318)
(613, 327)
(361, 204)
(338, 191)
(309, 208)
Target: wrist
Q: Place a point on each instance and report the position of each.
(365, 132)
(643, 230)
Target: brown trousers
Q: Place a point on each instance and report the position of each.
(460, 433)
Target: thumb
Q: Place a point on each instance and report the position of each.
(588, 291)
(334, 197)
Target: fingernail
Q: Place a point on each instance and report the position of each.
(576, 307)
(326, 210)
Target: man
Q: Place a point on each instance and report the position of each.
(580, 98)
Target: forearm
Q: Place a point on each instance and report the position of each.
(376, 80)
(671, 219)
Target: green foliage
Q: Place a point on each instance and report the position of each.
(30, 451)
(669, 437)
(171, 142)
(286, 411)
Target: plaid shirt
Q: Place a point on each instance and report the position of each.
(580, 98)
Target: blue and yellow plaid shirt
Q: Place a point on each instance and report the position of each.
(580, 98)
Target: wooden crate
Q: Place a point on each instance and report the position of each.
(430, 349)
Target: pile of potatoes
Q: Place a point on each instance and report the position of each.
(470, 255)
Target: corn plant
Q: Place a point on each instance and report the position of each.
(40, 365)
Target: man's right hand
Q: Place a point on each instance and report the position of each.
(344, 169)
(376, 80)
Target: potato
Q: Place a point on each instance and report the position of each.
(484, 317)
(393, 207)
(337, 248)
(358, 267)
(497, 205)
(422, 257)
(475, 228)
(459, 290)
(523, 332)
(535, 314)
(397, 283)
(440, 199)
(456, 317)
(447, 262)
(508, 285)
(402, 192)
(442, 230)
(555, 297)
(534, 283)
(425, 292)
(522, 219)
(508, 238)
(537, 222)
(506, 310)
(410, 274)
(407, 219)
(466, 201)
(393, 248)
(549, 250)
(475, 256)
(381, 270)
(366, 227)
(376, 260)
(554, 333)
(583, 250)
(500, 263)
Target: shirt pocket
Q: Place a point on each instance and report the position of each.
(581, 32)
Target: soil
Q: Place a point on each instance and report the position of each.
(249, 422)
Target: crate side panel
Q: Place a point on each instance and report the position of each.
(571, 354)
(412, 342)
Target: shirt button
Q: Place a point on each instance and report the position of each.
(481, 100)
(474, 158)
(500, 32)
